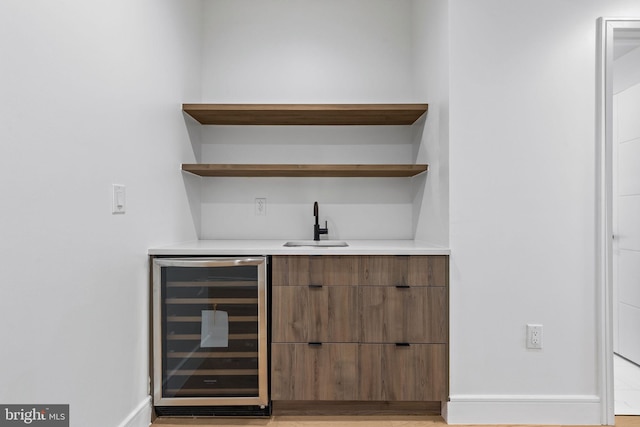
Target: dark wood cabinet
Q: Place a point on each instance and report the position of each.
(314, 371)
(389, 314)
(395, 270)
(407, 372)
(315, 314)
(328, 270)
(360, 328)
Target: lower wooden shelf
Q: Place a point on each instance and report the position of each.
(307, 170)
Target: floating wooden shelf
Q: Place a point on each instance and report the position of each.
(305, 114)
(290, 170)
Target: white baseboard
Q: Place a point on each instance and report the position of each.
(530, 409)
(140, 416)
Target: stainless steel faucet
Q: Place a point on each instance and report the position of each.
(317, 230)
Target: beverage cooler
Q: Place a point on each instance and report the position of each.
(210, 336)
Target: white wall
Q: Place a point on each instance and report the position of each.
(522, 170)
(307, 52)
(289, 51)
(430, 29)
(355, 208)
(90, 95)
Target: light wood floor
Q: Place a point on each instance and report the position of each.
(339, 421)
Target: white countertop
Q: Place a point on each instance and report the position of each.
(275, 247)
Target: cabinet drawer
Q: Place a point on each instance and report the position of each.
(374, 270)
(431, 270)
(394, 373)
(314, 314)
(314, 372)
(325, 270)
(390, 315)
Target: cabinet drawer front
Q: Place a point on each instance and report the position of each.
(320, 270)
(384, 270)
(290, 270)
(374, 270)
(309, 314)
(289, 317)
(394, 373)
(314, 372)
(391, 315)
(431, 270)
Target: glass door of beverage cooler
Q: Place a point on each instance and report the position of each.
(209, 331)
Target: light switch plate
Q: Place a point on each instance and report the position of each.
(119, 200)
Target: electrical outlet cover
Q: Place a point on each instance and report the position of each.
(534, 336)
(261, 206)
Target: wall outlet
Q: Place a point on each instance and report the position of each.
(261, 206)
(534, 336)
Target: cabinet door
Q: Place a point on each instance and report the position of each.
(402, 315)
(314, 372)
(388, 372)
(314, 314)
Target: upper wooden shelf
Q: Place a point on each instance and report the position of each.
(294, 170)
(305, 114)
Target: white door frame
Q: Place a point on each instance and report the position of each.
(604, 200)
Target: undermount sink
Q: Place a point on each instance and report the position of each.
(317, 243)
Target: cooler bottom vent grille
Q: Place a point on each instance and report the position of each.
(212, 411)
